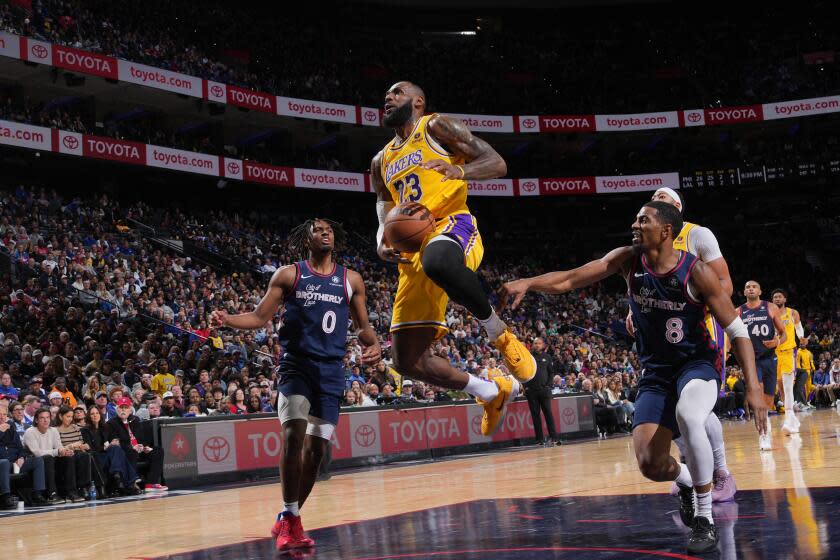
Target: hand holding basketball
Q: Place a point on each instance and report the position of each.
(390, 254)
(218, 318)
(407, 225)
(448, 170)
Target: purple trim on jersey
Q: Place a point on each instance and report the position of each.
(688, 297)
(462, 230)
(682, 258)
(720, 335)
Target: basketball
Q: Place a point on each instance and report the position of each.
(407, 225)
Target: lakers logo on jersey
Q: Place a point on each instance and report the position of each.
(407, 181)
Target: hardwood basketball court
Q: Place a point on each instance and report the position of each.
(527, 503)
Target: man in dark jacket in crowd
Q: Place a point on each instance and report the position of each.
(11, 454)
(135, 439)
(538, 393)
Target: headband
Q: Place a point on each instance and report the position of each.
(672, 193)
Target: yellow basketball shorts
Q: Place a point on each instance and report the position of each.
(419, 302)
(786, 361)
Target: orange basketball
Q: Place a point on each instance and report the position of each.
(407, 225)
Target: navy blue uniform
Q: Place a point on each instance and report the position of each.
(314, 336)
(760, 326)
(672, 340)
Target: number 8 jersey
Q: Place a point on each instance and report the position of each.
(316, 314)
(408, 182)
(670, 323)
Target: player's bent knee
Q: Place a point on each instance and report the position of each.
(654, 469)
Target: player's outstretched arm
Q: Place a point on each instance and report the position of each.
(707, 284)
(482, 161)
(282, 282)
(384, 204)
(614, 262)
(797, 325)
(358, 310)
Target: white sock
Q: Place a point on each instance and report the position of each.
(704, 505)
(715, 432)
(291, 507)
(787, 383)
(493, 325)
(684, 478)
(484, 389)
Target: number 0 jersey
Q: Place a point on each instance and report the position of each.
(316, 314)
(670, 323)
(408, 182)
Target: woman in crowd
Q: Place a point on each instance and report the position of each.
(110, 457)
(254, 404)
(71, 438)
(91, 389)
(237, 405)
(79, 416)
(17, 418)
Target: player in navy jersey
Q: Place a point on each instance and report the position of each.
(767, 332)
(318, 298)
(669, 290)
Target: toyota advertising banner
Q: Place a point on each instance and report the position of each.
(158, 78)
(329, 180)
(492, 187)
(94, 64)
(182, 160)
(85, 62)
(9, 45)
(25, 135)
(124, 151)
(251, 99)
(335, 112)
(636, 183)
(485, 123)
(247, 444)
(369, 116)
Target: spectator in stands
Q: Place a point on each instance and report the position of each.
(167, 408)
(237, 402)
(387, 396)
(12, 456)
(606, 417)
(110, 457)
(79, 416)
(824, 387)
(7, 390)
(36, 389)
(407, 394)
(135, 441)
(18, 418)
(31, 404)
(163, 381)
(43, 440)
(349, 399)
(60, 387)
(79, 463)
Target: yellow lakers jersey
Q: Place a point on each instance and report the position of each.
(790, 330)
(681, 242)
(408, 182)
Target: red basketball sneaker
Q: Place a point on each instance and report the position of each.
(288, 532)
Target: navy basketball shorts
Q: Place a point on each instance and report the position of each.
(766, 368)
(319, 382)
(656, 402)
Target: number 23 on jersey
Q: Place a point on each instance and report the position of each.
(409, 188)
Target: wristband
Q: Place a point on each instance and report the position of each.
(463, 173)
